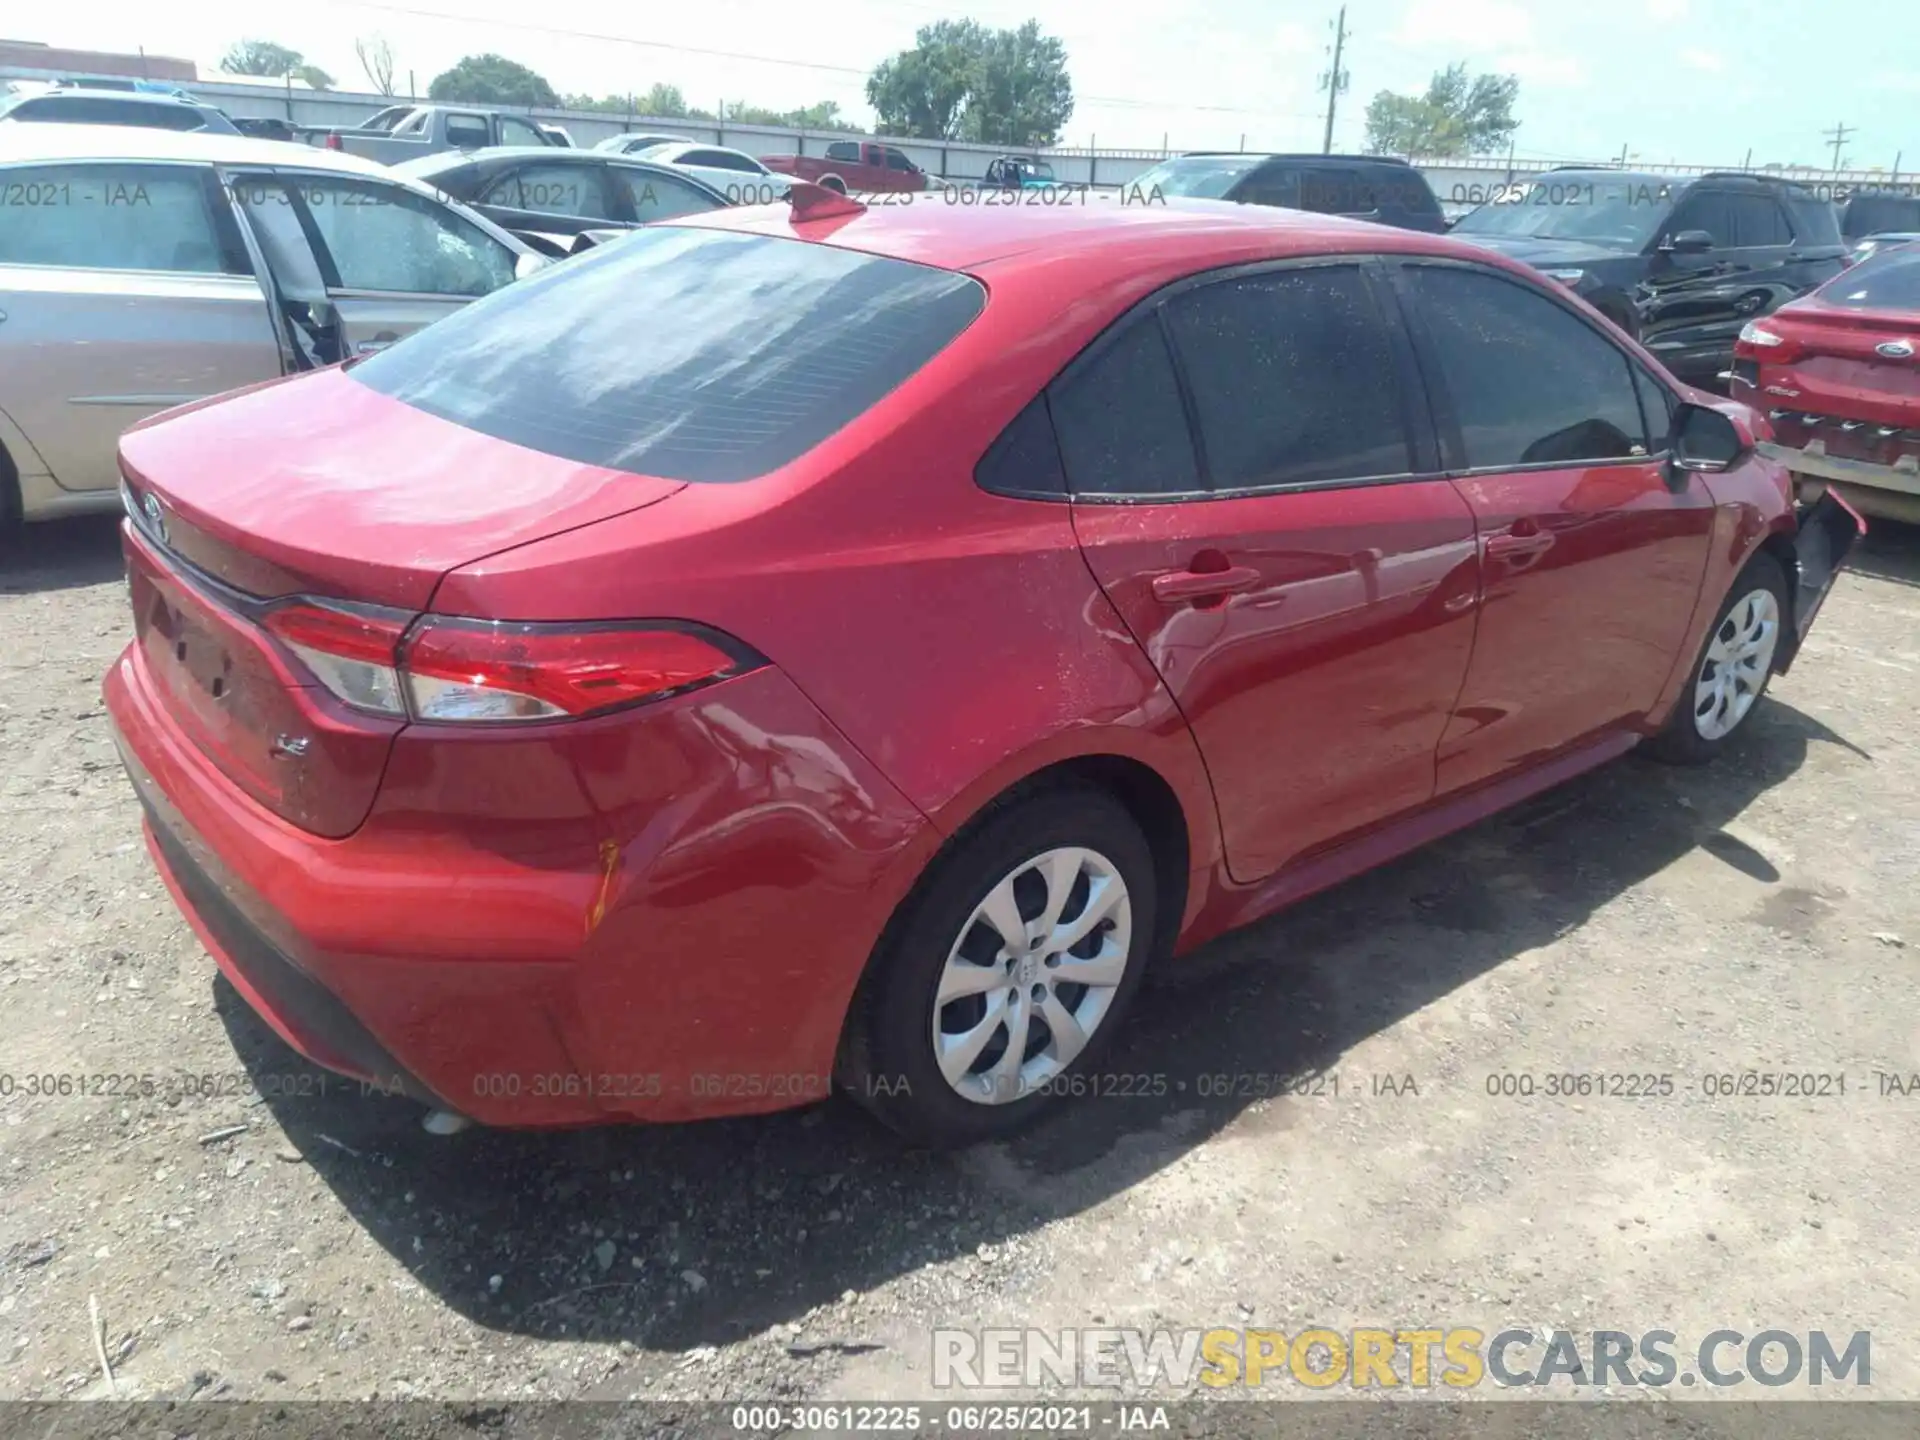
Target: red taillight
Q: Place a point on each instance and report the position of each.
(478, 670)
(447, 669)
(1761, 341)
(349, 649)
(334, 142)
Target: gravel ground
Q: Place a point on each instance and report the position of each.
(277, 1240)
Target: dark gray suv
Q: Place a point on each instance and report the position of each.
(1678, 262)
(1360, 187)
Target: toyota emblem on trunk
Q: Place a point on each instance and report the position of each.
(1895, 349)
(156, 515)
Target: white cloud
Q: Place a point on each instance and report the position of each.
(1666, 9)
(1541, 67)
(1705, 60)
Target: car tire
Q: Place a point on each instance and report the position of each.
(833, 183)
(11, 506)
(901, 1032)
(1731, 670)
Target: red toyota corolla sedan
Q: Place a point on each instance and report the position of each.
(1839, 371)
(842, 646)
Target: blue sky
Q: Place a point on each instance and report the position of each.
(1694, 81)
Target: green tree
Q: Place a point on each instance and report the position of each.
(962, 80)
(923, 92)
(1459, 115)
(1021, 93)
(261, 57)
(491, 80)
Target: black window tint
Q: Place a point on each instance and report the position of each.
(843, 150)
(1757, 220)
(1271, 185)
(1331, 190)
(1531, 384)
(1292, 378)
(552, 190)
(1025, 460)
(1704, 210)
(1121, 426)
(897, 161)
(689, 354)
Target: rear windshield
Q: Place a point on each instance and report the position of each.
(688, 354)
(1873, 214)
(1889, 281)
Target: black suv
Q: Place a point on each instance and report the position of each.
(1678, 263)
(1360, 187)
(1878, 212)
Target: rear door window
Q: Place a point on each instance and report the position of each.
(1293, 378)
(1758, 221)
(844, 150)
(715, 356)
(552, 190)
(112, 217)
(1122, 427)
(656, 196)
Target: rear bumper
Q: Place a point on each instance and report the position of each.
(1903, 476)
(658, 918)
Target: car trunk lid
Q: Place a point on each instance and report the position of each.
(322, 484)
(326, 489)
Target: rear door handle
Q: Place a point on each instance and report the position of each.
(1184, 585)
(1508, 545)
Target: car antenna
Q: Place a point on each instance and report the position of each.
(817, 202)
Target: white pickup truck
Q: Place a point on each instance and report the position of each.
(408, 132)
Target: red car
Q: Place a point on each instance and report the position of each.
(1839, 371)
(847, 646)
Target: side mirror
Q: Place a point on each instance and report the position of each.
(1704, 442)
(1688, 242)
(530, 265)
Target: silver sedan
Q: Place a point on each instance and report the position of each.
(143, 269)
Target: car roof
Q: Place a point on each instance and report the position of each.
(967, 237)
(1299, 157)
(57, 141)
(694, 145)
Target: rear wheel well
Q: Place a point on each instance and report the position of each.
(1141, 791)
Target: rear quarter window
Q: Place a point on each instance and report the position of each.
(688, 354)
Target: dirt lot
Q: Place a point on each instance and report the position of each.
(1763, 915)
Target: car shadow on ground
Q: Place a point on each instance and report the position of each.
(61, 555)
(672, 1237)
(1890, 551)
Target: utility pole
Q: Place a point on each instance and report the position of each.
(1335, 80)
(1838, 135)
